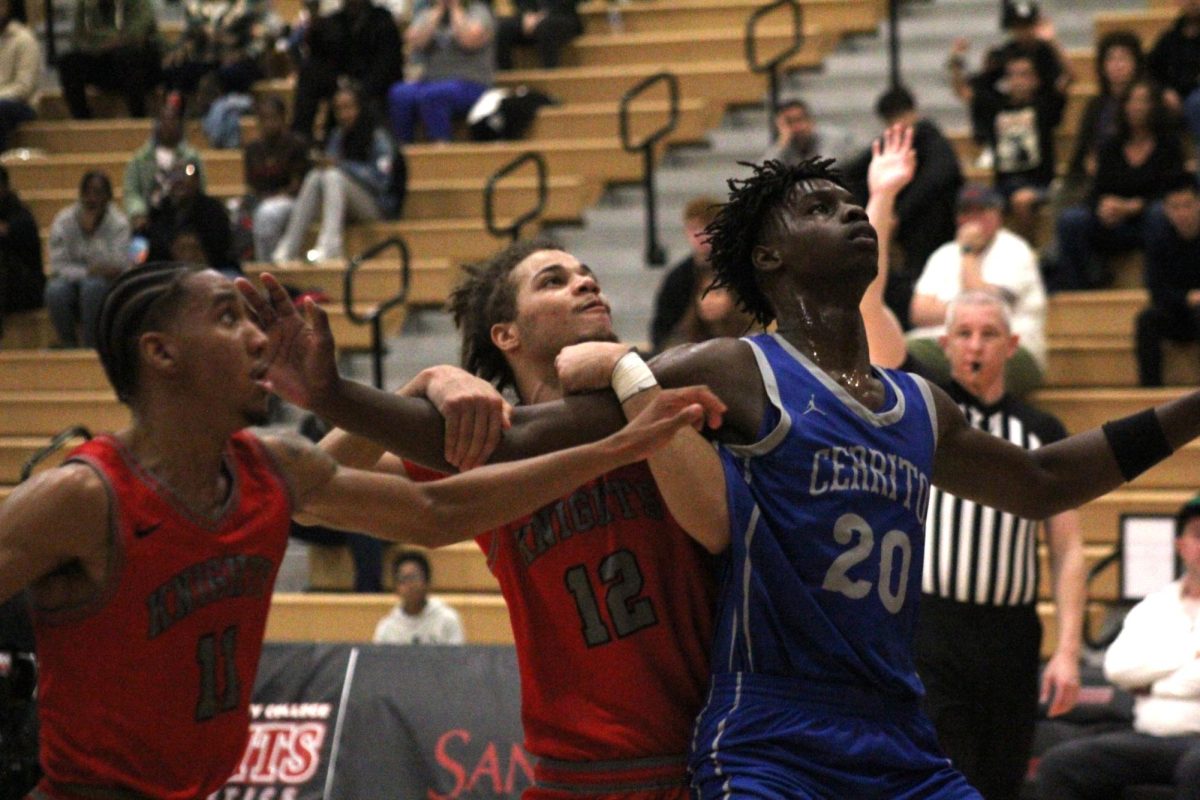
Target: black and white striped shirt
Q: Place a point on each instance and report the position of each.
(976, 554)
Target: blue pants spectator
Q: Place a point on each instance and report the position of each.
(435, 102)
(75, 302)
(1083, 243)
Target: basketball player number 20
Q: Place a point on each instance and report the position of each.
(837, 578)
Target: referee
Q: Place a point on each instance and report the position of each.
(979, 638)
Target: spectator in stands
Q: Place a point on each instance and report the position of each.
(417, 617)
(21, 276)
(451, 43)
(188, 208)
(89, 248)
(1157, 658)
(221, 37)
(361, 42)
(925, 209)
(1174, 62)
(548, 25)
(984, 256)
(147, 176)
(1172, 276)
(1131, 170)
(1119, 62)
(1031, 34)
(20, 69)
(796, 137)
(275, 165)
(685, 310)
(978, 638)
(1022, 118)
(115, 46)
(356, 181)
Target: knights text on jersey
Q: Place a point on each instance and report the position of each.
(827, 514)
(148, 689)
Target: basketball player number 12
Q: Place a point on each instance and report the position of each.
(629, 613)
(894, 542)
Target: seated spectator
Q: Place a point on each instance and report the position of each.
(355, 182)
(417, 617)
(360, 42)
(114, 46)
(450, 41)
(1022, 118)
(1174, 62)
(1119, 62)
(147, 176)
(20, 69)
(89, 248)
(1029, 33)
(925, 208)
(275, 165)
(983, 256)
(684, 310)
(548, 25)
(1156, 657)
(798, 136)
(219, 36)
(1172, 276)
(1131, 170)
(21, 276)
(188, 208)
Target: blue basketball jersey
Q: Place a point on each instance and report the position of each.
(827, 515)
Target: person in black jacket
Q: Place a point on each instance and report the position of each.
(192, 225)
(548, 25)
(925, 209)
(362, 42)
(1174, 62)
(22, 280)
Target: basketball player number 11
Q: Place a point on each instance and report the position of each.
(894, 542)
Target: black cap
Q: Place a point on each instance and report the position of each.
(1190, 510)
(1020, 12)
(976, 196)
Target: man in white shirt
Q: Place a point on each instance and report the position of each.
(1157, 657)
(983, 256)
(417, 618)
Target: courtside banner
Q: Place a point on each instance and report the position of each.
(393, 723)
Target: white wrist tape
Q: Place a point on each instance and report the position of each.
(630, 376)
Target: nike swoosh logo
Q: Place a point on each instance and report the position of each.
(142, 533)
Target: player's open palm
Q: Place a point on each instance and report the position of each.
(670, 410)
(301, 365)
(893, 161)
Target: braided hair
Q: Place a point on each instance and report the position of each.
(141, 299)
(755, 206)
(486, 297)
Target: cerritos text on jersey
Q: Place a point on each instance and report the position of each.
(590, 507)
(206, 582)
(858, 468)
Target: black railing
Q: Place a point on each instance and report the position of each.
(513, 228)
(1101, 640)
(374, 317)
(56, 444)
(771, 66)
(655, 254)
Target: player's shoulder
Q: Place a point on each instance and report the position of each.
(303, 465)
(72, 499)
(709, 357)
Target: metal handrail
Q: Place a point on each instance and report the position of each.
(655, 254)
(771, 66)
(375, 316)
(1095, 641)
(513, 229)
(55, 444)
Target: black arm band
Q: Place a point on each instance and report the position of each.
(1137, 442)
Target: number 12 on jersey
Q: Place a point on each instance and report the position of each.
(628, 611)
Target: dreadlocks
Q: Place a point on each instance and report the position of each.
(139, 300)
(486, 297)
(755, 205)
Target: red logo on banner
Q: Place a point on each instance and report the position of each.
(477, 772)
(281, 752)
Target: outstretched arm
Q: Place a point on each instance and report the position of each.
(1060, 679)
(454, 509)
(893, 163)
(1066, 474)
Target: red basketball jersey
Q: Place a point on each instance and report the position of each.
(148, 689)
(611, 604)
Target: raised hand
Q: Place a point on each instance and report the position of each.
(669, 411)
(893, 161)
(302, 368)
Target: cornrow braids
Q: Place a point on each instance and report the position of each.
(486, 297)
(754, 203)
(140, 299)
